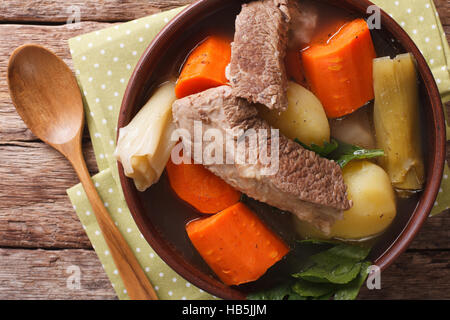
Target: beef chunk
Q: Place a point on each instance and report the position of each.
(256, 71)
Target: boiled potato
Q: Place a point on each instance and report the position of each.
(374, 209)
(304, 119)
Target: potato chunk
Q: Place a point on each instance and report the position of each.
(374, 207)
(304, 119)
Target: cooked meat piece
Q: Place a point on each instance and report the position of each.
(257, 70)
(305, 184)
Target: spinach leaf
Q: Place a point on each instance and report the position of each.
(325, 296)
(339, 264)
(358, 252)
(327, 269)
(310, 289)
(295, 296)
(350, 251)
(348, 152)
(350, 291)
(342, 152)
(323, 151)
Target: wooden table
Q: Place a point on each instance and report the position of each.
(40, 234)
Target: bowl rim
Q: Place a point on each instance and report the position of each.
(412, 226)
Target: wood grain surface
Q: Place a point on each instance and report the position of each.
(57, 11)
(40, 234)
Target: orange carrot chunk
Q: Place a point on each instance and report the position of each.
(199, 187)
(340, 71)
(237, 246)
(294, 67)
(205, 67)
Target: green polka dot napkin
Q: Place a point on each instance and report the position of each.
(104, 60)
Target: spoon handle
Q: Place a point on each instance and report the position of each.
(136, 282)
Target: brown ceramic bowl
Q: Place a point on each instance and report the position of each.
(161, 218)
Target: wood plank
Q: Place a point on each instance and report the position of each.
(447, 32)
(42, 274)
(443, 8)
(415, 275)
(90, 10)
(110, 10)
(434, 234)
(52, 37)
(35, 210)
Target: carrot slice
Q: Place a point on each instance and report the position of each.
(205, 66)
(199, 187)
(340, 72)
(294, 67)
(237, 246)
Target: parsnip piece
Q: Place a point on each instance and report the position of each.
(144, 145)
(374, 208)
(304, 119)
(396, 120)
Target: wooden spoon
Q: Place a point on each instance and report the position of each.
(46, 96)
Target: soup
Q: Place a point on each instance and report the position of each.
(177, 213)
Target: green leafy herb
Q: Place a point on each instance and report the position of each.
(295, 296)
(325, 297)
(323, 151)
(353, 252)
(310, 289)
(342, 152)
(339, 264)
(350, 291)
(348, 152)
(331, 271)
(337, 269)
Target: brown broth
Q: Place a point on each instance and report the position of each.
(329, 20)
(174, 213)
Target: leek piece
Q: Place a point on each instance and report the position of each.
(144, 145)
(396, 120)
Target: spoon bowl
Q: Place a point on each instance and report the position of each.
(46, 94)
